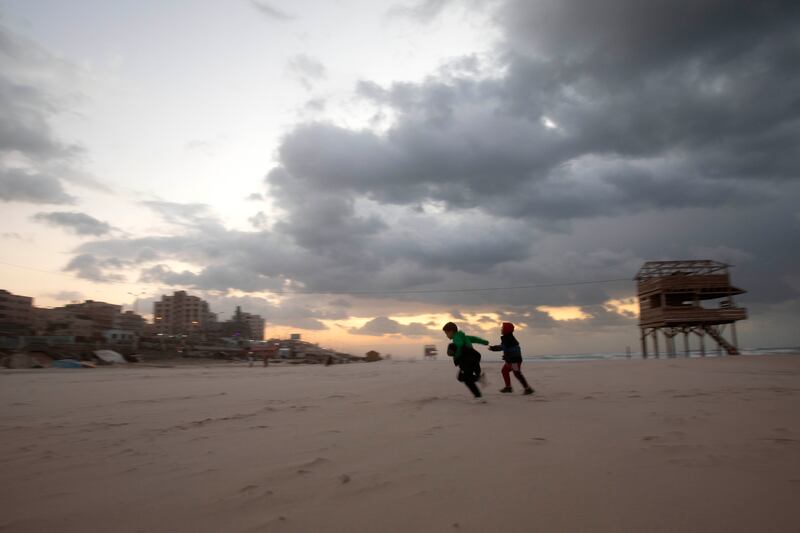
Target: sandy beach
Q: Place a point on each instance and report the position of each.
(656, 445)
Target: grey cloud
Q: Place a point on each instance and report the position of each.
(32, 85)
(259, 220)
(596, 144)
(270, 12)
(87, 266)
(420, 10)
(340, 302)
(299, 311)
(191, 214)
(306, 69)
(79, 223)
(531, 319)
(18, 185)
(386, 326)
(213, 277)
(24, 114)
(67, 296)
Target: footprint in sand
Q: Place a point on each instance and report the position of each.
(255, 489)
(432, 430)
(781, 440)
(309, 466)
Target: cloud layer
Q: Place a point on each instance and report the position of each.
(596, 136)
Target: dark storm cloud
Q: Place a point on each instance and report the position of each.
(214, 277)
(606, 134)
(607, 112)
(386, 326)
(717, 92)
(270, 12)
(299, 312)
(79, 223)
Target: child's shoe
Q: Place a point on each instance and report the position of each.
(480, 399)
(506, 389)
(528, 391)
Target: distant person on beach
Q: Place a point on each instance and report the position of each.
(465, 357)
(512, 355)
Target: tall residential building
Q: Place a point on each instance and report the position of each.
(15, 309)
(256, 324)
(181, 313)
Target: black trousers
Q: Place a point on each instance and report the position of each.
(469, 370)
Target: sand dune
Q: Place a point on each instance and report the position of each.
(659, 445)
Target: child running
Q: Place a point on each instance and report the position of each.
(465, 357)
(512, 355)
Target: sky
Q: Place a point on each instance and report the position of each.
(353, 170)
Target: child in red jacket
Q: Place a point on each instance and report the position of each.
(512, 355)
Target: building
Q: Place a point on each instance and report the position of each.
(62, 322)
(238, 327)
(15, 309)
(120, 336)
(181, 314)
(104, 315)
(130, 321)
(256, 325)
(690, 297)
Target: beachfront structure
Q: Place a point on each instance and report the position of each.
(256, 324)
(131, 321)
(16, 309)
(429, 351)
(689, 297)
(103, 315)
(181, 314)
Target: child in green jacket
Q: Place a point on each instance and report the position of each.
(465, 357)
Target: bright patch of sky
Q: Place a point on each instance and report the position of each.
(187, 100)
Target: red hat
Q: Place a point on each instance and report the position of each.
(507, 328)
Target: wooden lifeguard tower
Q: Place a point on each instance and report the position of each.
(670, 296)
(430, 352)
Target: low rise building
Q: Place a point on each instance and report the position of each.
(16, 309)
(119, 336)
(59, 321)
(130, 321)
(104, 315)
